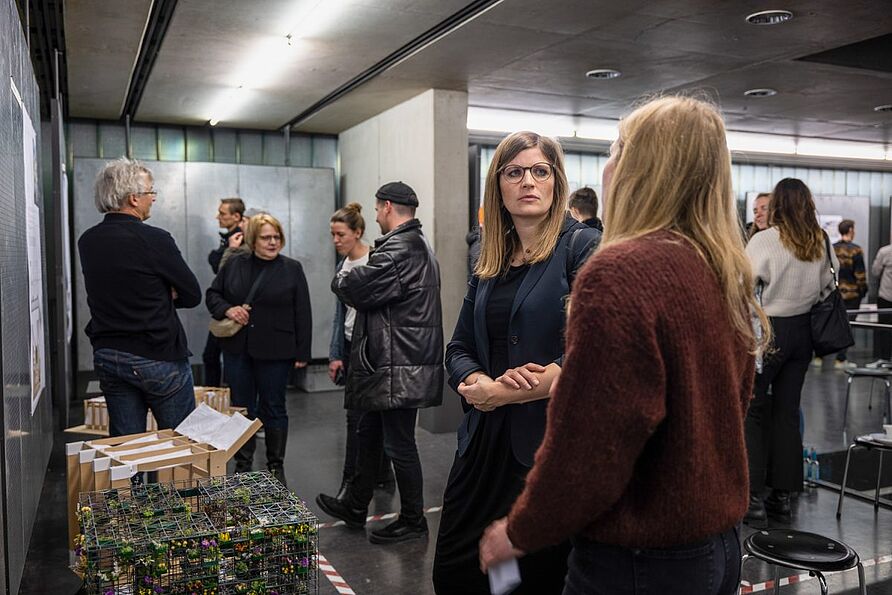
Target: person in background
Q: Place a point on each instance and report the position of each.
(881, 268)
(643, 463)
(760, 215)
(347, 228)
(505, 353)
(473, 239)
(230, 217)
(276, 336)
(396, 362)
(584, 207)
(136, 279)
(790, 265)
(852, 275)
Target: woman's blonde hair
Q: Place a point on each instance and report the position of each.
(673, 172)
(792, 211)
(499, 239)
(255, 225)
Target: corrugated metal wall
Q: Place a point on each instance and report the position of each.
(27, 439)
(90, 139)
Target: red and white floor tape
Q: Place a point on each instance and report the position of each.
(333, 577)
(746, 587)
(377, 517)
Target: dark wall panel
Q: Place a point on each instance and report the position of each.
(27, 438)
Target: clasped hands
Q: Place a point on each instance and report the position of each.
(485, 394)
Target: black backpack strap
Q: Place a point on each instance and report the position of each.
(255, 285)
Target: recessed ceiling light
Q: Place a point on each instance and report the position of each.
(760, 92)
(883, 108)
(603, 74)
(769, 17)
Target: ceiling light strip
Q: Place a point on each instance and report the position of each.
(429, 37)
(160, 16)
(597, 129)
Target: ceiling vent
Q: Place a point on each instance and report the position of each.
(603, 74)
(760, 92)
(769, 17)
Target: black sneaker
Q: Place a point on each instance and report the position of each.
(399, 530)
(354, 518)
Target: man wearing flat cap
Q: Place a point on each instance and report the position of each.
(396, 361)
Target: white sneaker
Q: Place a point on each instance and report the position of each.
(880, 363)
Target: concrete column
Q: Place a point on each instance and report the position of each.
(424, 143)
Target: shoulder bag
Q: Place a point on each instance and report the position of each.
(228, 327)
(830, 329)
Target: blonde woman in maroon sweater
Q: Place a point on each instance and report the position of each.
(643, 463)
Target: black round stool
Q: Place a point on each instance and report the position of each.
(803, 551)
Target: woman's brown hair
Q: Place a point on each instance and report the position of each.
(499, 239)
(351, 216)
(792, 211)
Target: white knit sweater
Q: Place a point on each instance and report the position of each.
(790, 286)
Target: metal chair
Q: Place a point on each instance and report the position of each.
(874, 374)
(803, 551)
(869, 442)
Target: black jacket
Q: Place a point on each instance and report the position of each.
(130, 270)
(535, 330)
(217, 254)
(396, 357)
(280, 324)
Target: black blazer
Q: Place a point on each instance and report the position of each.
(280, 325)
(535, 330)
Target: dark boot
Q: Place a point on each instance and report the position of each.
(343, 509)
(756, 517)
(244, 458)
(777, 506)
(346, 483)
(276, 440)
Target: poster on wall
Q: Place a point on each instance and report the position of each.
(37, 377)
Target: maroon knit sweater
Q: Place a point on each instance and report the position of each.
(644, 444)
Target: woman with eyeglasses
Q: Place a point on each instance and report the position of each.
(505, 353)
(275, 336)
(643, 464)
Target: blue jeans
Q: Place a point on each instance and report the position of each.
(259, 385)
(710, 567)
(132, 385)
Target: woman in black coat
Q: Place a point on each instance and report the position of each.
(276, 335)
(506, 351)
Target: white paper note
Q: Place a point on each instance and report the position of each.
(504, 577)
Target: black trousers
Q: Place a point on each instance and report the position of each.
(882, 338)
(773, 441)
(393, 432)
(213, 371)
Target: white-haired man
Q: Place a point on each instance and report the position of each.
(135, 279)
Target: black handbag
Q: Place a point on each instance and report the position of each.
(830, 329)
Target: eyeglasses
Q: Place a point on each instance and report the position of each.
(273, 238)
(150, 192)
(541, 172)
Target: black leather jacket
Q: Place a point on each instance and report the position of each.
(396, 357)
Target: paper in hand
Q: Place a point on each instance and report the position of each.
(504, 577)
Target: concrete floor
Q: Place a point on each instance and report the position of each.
(313, 464)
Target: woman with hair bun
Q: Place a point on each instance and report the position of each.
(347, 228)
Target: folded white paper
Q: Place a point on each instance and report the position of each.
(206, 424)
(504, 577)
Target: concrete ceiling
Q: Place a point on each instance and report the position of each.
(521, 54)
